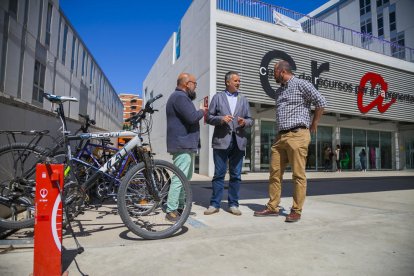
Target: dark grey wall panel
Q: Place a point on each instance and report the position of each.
(243, 51)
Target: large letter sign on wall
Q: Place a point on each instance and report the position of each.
(374, 79)
(263, 71)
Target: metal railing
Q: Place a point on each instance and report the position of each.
(266, 12)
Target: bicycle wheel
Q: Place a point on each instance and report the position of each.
(17, 184)
(141, 213)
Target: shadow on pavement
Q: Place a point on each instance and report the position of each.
(258, 189)
(124, 235)
(69, 256)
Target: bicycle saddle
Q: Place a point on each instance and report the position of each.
(58, 99)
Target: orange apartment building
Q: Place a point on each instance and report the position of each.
(132, 105)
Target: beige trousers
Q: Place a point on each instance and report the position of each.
(290, 148)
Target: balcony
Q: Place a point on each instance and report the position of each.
(273, 14)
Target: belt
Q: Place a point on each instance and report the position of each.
(295, 129)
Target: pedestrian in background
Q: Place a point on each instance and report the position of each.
(293, 118)
(363, 160)
(229, 113)
(183, 138)
(327, 158)
(338, 158)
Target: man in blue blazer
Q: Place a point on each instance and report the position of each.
(229, 113)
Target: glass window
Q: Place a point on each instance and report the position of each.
(65, 39)
(364, 6)
(397, 48)
(38, 82)
(373, 150)
(13, 7)
(267, 136)
(72, 61)
(386, 159)
(382, 2)
(324, 140)
(346, 148)
(409, 154)
(359, 149)
(380, 22)
(366, 30)
(311, 160)
(48, 23)
(83, 63)
(393, 23)
(91, 73)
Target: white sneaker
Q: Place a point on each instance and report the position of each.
(211, 210)
(235, 210)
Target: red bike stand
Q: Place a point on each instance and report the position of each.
(48, 220)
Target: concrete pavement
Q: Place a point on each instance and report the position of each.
(340, 234)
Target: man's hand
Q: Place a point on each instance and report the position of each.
(227, 119)
(241, 121)
(316, 117)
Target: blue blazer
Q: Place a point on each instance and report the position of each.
(183, 128)
(219, 107)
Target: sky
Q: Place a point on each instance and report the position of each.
(125, 37)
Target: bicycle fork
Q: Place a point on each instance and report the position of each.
(145, 156)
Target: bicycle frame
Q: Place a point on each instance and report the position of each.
(89, 149)
(109, 166)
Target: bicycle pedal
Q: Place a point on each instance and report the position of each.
(80, 250)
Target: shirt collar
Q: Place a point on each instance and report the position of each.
(286, 85)
(235, 94)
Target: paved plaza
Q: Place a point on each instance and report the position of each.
(367, 233)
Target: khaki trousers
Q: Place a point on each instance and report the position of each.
(290, 148)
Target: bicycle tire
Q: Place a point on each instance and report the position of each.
(17, 189)
(143, 215)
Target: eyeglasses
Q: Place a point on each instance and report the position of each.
(195, 83)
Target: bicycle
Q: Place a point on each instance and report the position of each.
(143, 191)
(18, 165)
(17, 172)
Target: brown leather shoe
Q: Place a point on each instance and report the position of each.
(292, 217)
(266, 213)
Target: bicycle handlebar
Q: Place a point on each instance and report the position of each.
(148, 109)
(150, 101)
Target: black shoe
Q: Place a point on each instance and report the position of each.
(173, 216)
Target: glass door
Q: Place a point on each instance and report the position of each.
(267, 136)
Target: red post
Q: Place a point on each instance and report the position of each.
(48, 220)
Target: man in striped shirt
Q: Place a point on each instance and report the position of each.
(293, 119)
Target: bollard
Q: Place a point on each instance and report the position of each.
(48, 220)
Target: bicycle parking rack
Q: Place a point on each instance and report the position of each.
(48, 220)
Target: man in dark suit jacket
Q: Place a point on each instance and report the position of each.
(229, 112)
(183, 138)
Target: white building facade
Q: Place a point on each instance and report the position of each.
(216, 36)
(40, 51)
(390, 20)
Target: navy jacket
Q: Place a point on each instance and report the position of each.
(183, 128)
(219, 107)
